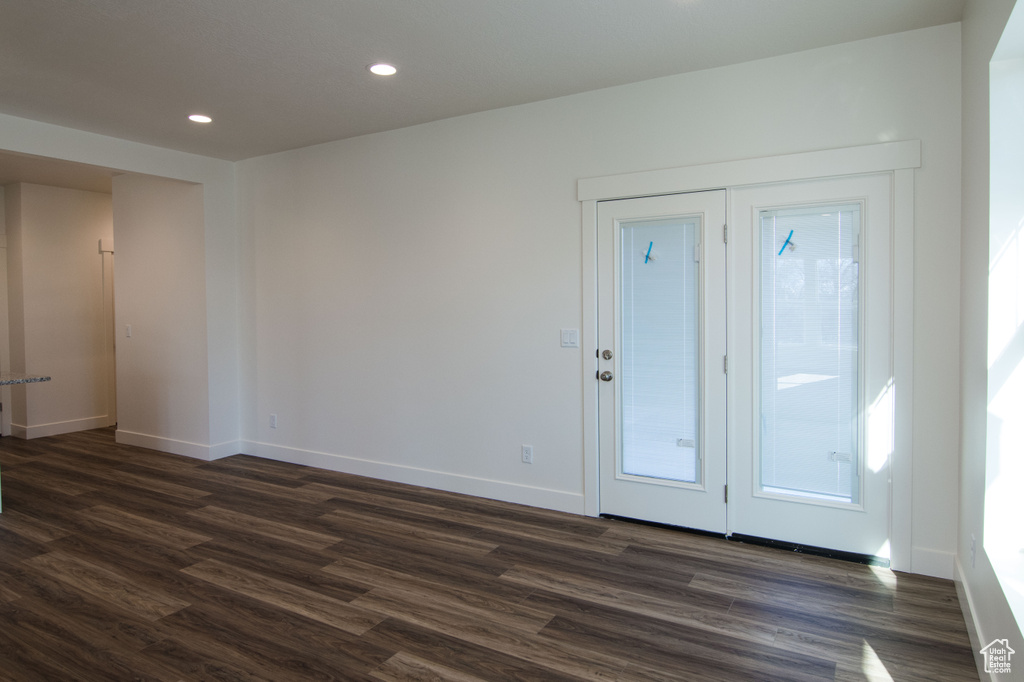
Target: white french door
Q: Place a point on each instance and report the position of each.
(661, 335)
(810, 363)
(799, 429)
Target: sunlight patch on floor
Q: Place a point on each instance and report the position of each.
(871, 665)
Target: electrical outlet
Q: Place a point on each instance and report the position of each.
(273, 421)
(528, 454)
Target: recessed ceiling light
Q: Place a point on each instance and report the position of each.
(199, 118)
(383, 69)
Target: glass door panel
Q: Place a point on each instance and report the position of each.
(659, 342)
(809, 351)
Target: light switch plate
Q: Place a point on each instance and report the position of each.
(570, 338)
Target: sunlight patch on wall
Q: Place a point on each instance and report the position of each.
(880, 428)
(1003, 538)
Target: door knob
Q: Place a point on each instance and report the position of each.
(605, 376)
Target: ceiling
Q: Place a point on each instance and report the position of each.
(42, 171)
(283, 74)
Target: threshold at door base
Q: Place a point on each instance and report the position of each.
(655, 524)
(853, 557)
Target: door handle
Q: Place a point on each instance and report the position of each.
(605, 376)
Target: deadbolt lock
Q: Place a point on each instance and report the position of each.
(607, 355)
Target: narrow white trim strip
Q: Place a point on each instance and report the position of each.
(57, 428)
(178, 447)
(874, 158)
(438, 480)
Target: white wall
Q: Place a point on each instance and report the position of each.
(5, 338)
(56, 289)
(981, 595)
(214, 428)
(162, 373)
(15, 298)
(404, 291)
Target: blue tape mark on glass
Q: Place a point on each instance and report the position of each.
(651, 246)
(786, 243)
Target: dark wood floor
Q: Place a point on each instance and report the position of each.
(123, 563)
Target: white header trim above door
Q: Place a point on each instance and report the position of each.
(874, 158)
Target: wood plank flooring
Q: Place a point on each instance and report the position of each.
(119, 563)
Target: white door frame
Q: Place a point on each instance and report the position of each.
(899, 158)
(699, 504)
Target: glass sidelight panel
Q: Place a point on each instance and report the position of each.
(659, 349)
(810, 352)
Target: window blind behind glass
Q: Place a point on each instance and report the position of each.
(809, 351)
(659, 380)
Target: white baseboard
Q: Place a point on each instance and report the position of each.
(963, 594)
(225, 449)
(931, 562)
(178, 447)
(57, 428)
(478, 487)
